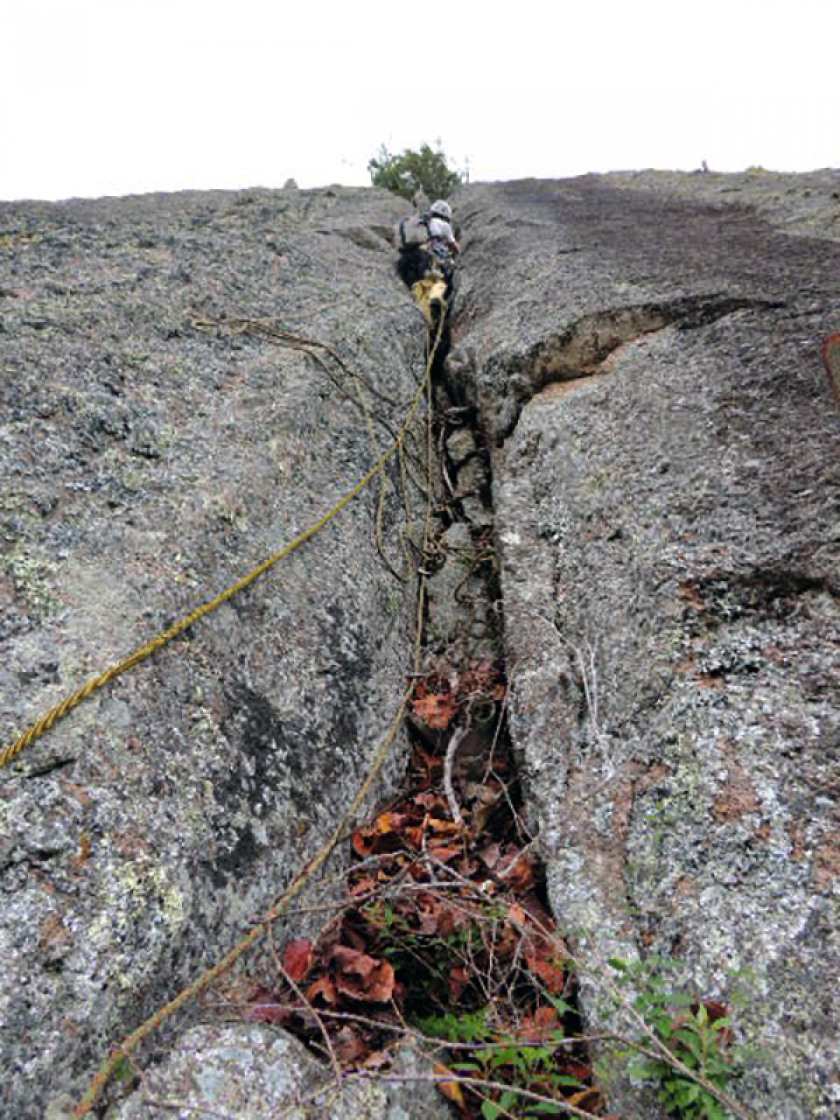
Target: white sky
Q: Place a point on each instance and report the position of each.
(116, 97)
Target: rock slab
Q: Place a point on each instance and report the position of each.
(153, 450)
(667, 491)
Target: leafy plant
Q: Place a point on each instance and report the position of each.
(404, 174)
(697, 1033)
(526, 1059)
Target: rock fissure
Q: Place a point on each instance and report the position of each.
(588, 347)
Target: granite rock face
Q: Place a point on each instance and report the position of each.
(148, 460)
(805, 204)
(661, 446)
(258, 1073)
(667, 500)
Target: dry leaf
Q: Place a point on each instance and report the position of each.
(537, 1027)
(552, 974)
(362, 977)
(363, 843)
(515, 870)
(490, 855)
(456, 982)
(268, 1010)
(517, 915)
(324, 988)
(434, 710)
(450, 1089)
(297, 958)
(588, 1099)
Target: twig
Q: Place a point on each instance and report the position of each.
(182, 1106)
(503, 874)
(449, 761)
(475, 1083)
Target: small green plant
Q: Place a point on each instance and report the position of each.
(697, 1033)
(404, 174)
(500, 1057)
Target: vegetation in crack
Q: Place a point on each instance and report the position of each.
(686, 1048)
(443, 932)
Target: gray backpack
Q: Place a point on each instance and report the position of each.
(412, 231)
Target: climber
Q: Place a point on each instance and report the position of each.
(426, 245)
(441, 238)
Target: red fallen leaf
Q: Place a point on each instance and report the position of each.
(428, 764)
(437, 824)
(553, 975)
(363, 843)
(297, 957)
(362, 977)
(428, 800)
(447, 921)
(456, 982)
(428, 915)
(376, 987)
(353, 960)
(517, 915)
(444, 853)
(391, 822)
(435, 709)
(541, 917)
(578, 1070)
(490, 855)
(537, 1027)
(516, 872)
(506, 942)
(324, 988)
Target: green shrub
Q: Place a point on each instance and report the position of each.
(699, 1040)
(410, 171)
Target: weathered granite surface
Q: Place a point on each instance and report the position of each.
(667, 496)
(806, 204)
(666, 483)
(145, 465)
(256, 1073)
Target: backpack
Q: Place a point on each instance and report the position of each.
(412, 231)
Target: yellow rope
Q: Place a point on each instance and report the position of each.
(201, 983)
(58, 711)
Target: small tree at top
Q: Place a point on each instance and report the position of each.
(411, 171)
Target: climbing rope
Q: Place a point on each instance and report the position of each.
(202, 982)
(145, 651)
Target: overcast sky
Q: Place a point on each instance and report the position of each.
(115, 97)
